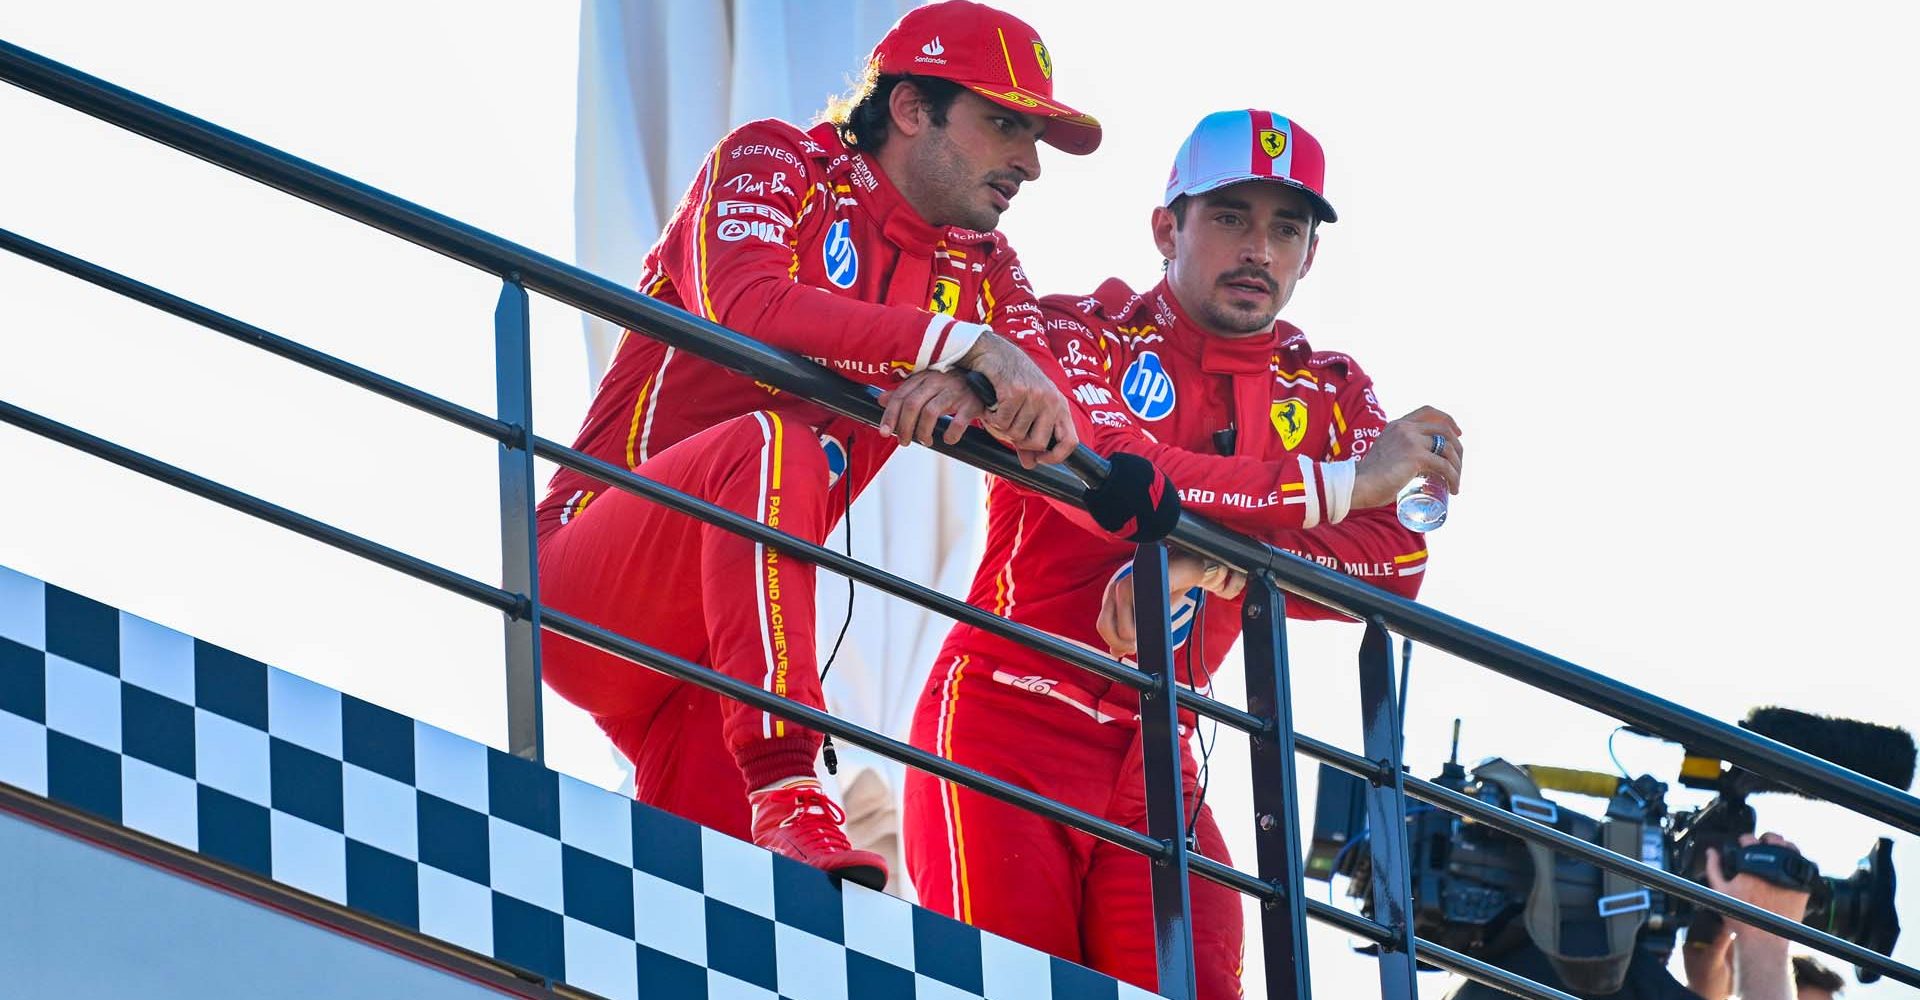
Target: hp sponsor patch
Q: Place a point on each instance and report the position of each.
(1147, 388)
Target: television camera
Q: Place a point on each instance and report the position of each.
(1484, 892)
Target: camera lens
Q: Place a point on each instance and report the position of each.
(1859, 908)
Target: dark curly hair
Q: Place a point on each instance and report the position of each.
(862, 115)
(1809, 973)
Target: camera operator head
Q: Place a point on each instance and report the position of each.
(1814, 981)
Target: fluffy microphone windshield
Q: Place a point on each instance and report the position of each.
(1883, 753)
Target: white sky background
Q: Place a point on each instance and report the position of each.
(1656, 259)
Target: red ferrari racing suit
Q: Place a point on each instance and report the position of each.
(792, 239)
(1258, 433)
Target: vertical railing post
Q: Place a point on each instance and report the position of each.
(1276, 811)
(1161, 747)
(1387, 812)
(519, 561)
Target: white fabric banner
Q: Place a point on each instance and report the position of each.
(660, 83)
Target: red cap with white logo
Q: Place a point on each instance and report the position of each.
(1228, 147)
(991, 53)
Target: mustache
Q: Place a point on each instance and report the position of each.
(1251, 274)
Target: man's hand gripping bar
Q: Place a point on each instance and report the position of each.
(1127, 496)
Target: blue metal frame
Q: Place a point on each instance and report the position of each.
(1387, 810)
(519, 554)
(1269, 722)
(1162, 743)
(1276, 790)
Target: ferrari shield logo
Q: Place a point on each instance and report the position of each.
(1046, 61)
(1290, 419)
(1273, 141)
(946, 296)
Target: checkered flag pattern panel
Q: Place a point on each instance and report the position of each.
(267, 772)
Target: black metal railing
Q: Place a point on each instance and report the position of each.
(1267, 720)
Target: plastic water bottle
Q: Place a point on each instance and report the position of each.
(1422, 504)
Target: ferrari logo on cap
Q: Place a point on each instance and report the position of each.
(1046, 61)
(1275, 143)
(946, 296)
(1290, 419)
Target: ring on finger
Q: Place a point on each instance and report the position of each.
(1439, 444)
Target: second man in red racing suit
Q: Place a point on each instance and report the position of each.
(1260, 432)
(864, 244)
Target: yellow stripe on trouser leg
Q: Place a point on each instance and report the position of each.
(958, 838)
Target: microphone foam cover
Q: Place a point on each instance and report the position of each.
(1883, 753)
(1137, 502)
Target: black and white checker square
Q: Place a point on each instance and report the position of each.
(274, 774)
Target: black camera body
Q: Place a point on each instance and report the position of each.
(1473, 885)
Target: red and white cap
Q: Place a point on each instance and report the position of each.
(991, 53)
(1228, 147)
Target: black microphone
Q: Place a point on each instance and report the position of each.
(1883, 753)
(1224, 440)
(1137, 501)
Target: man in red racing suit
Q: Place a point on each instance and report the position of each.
(1261, 433)
(865, 244)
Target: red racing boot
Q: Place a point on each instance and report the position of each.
(798, 820)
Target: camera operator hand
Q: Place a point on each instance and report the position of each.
(1760, 968)
(1405, 449)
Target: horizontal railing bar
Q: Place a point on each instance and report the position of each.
(300, 524)
(1526, 829)
(1485, 972)
(882, 580)
(483, 250)
(818, 720)
(247, 333)
(1233, 878)
(789, 371)
(1702, 734)
(501, 431)
(1433, 954)
(574, 628)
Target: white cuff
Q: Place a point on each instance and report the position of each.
(1338, 480)
(947, 340)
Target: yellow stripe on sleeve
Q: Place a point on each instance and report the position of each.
(700, 226)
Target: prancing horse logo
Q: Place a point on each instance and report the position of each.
(1273, 141)
(946, 296)
(1290, 419)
